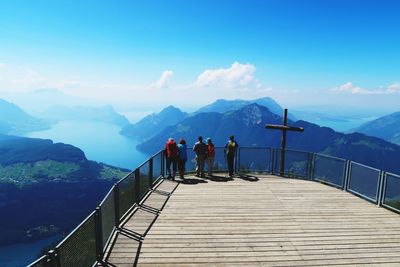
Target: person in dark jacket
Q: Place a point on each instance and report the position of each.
(201, 151)
(230, 149)
(171, 156)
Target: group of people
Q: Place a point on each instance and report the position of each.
(176, 155)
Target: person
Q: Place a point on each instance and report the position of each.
(171, 156)
(230, 149)
(200, 149)
(210, 156)
(182, 157)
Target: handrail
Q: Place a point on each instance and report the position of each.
(125, 195)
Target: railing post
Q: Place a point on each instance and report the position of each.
(116, 204)
(99, 234)
(237, 160)
(382, 180)
(150, 172)
(137, 185)
(54, 259)
(272, 160)
(162, 164)
(310, 166)
(346, 175)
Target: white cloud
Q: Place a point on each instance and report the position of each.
(350, 88)
(164, 80)
(394, 88)
(3, 65)
(238, 75)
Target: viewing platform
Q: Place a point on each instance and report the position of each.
(255, 220)
(319, 211)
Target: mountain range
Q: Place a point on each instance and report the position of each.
(223, 105)
(153, 124)
(386, 127)
(248, 126)
(14, 120)
(47, 188)
(105, 114)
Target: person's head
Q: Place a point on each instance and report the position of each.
(231, 138)
(182, 141)
(200, 138)
(209, 141)
(170, 139)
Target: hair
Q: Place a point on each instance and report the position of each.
(231, 137)
(200, 138)
(182, 141)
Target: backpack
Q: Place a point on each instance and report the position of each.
(231, 146)
(210, 150)
(172, 149)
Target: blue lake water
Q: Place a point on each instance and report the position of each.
(22, 254)
(101, 142)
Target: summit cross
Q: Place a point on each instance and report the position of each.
(284, 128)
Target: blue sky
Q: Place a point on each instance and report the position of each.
(193, 52)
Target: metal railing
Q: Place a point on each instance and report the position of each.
(87, 243)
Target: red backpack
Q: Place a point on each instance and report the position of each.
(172, 149)
(210, 150)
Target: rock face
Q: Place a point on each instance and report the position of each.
(154, 123)
(47, 188)
(248, 126)
(386, 127)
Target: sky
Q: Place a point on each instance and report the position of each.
(149, 54)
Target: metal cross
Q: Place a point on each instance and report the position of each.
(284, 128)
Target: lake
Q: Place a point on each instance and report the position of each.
(101, 142)
(21, 254)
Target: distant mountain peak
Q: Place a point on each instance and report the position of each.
(155, 122)
(224, 105)
(386, 127)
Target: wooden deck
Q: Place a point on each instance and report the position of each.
(256, 221)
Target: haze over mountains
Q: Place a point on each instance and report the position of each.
(105, 114)
(13, 120)
(154, 123)
(386, 127)
(16, 121)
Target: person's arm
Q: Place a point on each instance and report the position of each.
(194, 147)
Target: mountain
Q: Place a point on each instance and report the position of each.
(386, 127)
(248, 126)
(105, 114)
(154, 123)
(223, 105)
(14, 120)
(47, 188)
